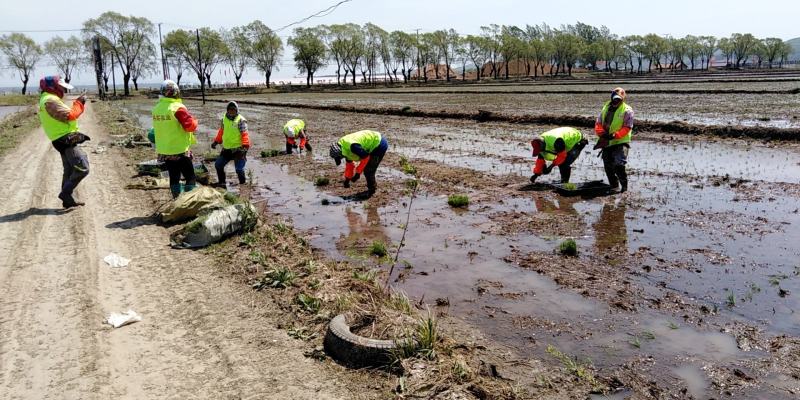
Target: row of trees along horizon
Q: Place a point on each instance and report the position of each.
(129, 42)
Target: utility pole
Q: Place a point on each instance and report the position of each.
(200, 67)
(419, 71)
(113, 75)
(163, 59)
(97, 54)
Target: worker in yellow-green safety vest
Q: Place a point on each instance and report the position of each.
(294, 130)
(366, 147)
(235, 140)
(561, 146)
(174, 131)
(60, 124)
(614, 127)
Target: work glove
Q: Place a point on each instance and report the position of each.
(607, 136)
(214, 145)
(346, 183)
(547, 170)
(533, 178)
(294, 145)
(355, 177)
(246, 147)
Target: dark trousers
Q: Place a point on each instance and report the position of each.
(177, 167)
(614, 160)
(566, 167)
(76, 167)
(375, 159)
(239, 160)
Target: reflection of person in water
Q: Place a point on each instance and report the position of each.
(610, 230)
(369, 230)
(566, 205)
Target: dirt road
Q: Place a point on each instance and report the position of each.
(202, 335)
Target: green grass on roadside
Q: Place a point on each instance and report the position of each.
(14, 127)
(18, 99)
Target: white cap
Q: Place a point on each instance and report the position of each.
(65, 85)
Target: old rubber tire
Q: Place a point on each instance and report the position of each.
(353, 350)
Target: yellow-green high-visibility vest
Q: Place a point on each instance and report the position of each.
(616, 123)
(171, 139)
(293, 127)
(369, 141)
(231, 137)
(571, 137)
(53, 128)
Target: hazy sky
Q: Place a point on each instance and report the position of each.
(765, 18)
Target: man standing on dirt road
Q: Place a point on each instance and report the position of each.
(295, 129)
(367, 147)
(562, 146)
(235, 141)
(174, 134)
(60, 124)
(614, 126)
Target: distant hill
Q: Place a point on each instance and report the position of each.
(795, 56)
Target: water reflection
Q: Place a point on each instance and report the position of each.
(610, 230)
(364, 229)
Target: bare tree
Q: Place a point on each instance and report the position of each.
(23, 54)
(266, 47)
(68, 55)
(237, 46)
(127, 37)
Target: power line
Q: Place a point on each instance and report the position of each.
(44, 31)
(322, 13)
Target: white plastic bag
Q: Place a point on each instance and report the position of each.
(121, 319)
(116, 260)
(215, 226)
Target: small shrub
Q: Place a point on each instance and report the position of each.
(258, 257)
(458, 200)
(321, 181)
(378, 248)
(731, 300)
(277, 278)
(367, 276)
(568, 248)
(309, 303)
(581, 370)
(407, 167)
(270, 153)
(460, 371)
(399, 301)
(428, 336)
(247, 240)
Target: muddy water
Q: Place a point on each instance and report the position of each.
(726, 240)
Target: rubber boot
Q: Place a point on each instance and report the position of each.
(176, 190)
(288, 148)
(622, 174)
(565, 173)
(189, 187)
(612, 176)
(220, 177)
(242, 177)
(308, 147)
